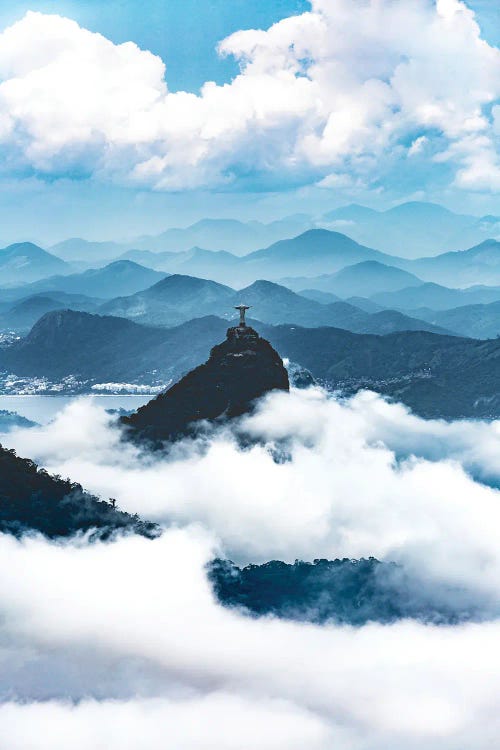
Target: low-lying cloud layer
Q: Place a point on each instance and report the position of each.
(352, 479)
(123, 643)
(344, 95)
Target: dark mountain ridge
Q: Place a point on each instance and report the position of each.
(97, 349)
(238, 371)
(438, 376)
(33, 500)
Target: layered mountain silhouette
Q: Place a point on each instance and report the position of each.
(413, 229)
(436, 297)
(317, 252)
(117, 278)
(410, 230)
(25, 262)
(212, 234)
(180, 298)
(173, 300)
(477, 265)
(22, 315)
(310, 254)
(478, 321)
(361, 279)
(218, 265)
(76, 249)
(436, 375)
(238, 371)
(314, 252)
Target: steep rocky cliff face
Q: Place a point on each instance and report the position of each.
(239, 370)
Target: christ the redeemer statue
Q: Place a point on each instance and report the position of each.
(242, 309)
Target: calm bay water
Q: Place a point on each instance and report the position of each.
(44, 408)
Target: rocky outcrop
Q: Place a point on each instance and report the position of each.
(239, 370)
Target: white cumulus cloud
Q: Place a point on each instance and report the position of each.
(340, 90)
(363, 478)
(122, 643)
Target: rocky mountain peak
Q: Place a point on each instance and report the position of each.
(239, 370)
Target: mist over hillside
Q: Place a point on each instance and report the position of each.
(212, 234)
(27, 262)
(413, 229)
(119, 277)
(410, 230)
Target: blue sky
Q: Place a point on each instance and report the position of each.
(183, 32)
(283, 155)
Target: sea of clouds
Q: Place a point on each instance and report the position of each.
(122, 644)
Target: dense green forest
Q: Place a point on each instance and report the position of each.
(33, 500)
(344, 591)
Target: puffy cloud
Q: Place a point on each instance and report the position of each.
(122, 643)
(199, 723)
(336, 91)
(352, 479)
(197, 674)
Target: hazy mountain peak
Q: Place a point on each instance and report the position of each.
(489, 244)
(351, 212)
(262, 285)
(368, 265)
(184, 282)
(24, 247)
(215, 223)
(419, 209)
(267, 292)
(24, 262)
(123, 265)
